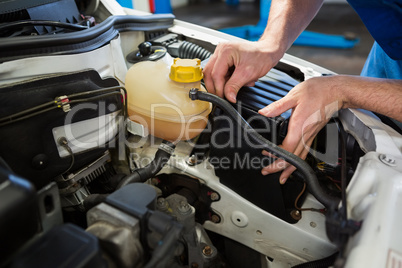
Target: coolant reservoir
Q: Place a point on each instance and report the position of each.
(158, 98)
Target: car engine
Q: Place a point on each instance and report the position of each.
(91, 178)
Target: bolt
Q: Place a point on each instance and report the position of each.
(192, 160)
(194, 265)
(207, 251)
(184, 207)
(313, 224)
(62, 141)
(161, 201)
(161, 204)
(296, 214)
(215, 218)
(214, 196)
(388, 160)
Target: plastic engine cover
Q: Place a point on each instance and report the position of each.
(238, 162)
(28, 146)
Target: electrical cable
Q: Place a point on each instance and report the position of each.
(67, 97)
(23, 23)
(125, 111)
(93, 98)
(335, 182)
(27, 116)
(338, 227)
(63, 142)
(343, 177)
(96, 91)
(306, 171)
(306, 209)
(104, 90)
(28, 113)
(344, 210)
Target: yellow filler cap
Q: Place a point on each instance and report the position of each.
(186, 70)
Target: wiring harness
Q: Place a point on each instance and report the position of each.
(64, 103)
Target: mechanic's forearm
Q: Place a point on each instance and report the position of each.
(379, 95)
(286, 20)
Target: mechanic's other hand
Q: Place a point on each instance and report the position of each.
(313, 102)
(235, 64)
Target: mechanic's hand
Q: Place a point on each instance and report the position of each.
(313, 102)
(235, 64)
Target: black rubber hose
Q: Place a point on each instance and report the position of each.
(166, 246)
(189, 50)
(302, 167)
(81, 41)
(93, 200)
(23, 23)
(163, 154)
(343, 168)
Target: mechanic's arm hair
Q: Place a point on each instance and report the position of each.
(286, 21)
(314, 101)
(235, 64)
(379, 95)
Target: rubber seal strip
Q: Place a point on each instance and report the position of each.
(82, 41)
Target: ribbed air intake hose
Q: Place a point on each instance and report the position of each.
(189, 50)
(306, 171)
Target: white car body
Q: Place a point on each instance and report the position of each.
(374, 195)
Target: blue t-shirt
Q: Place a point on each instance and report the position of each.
(383, 19)
(379, 64)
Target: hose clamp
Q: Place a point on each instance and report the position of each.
(166, 148)
(193, 94)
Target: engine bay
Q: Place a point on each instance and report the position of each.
(85, 183)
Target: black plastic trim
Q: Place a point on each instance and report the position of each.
(82, 41)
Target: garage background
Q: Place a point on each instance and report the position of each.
(336, 17)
